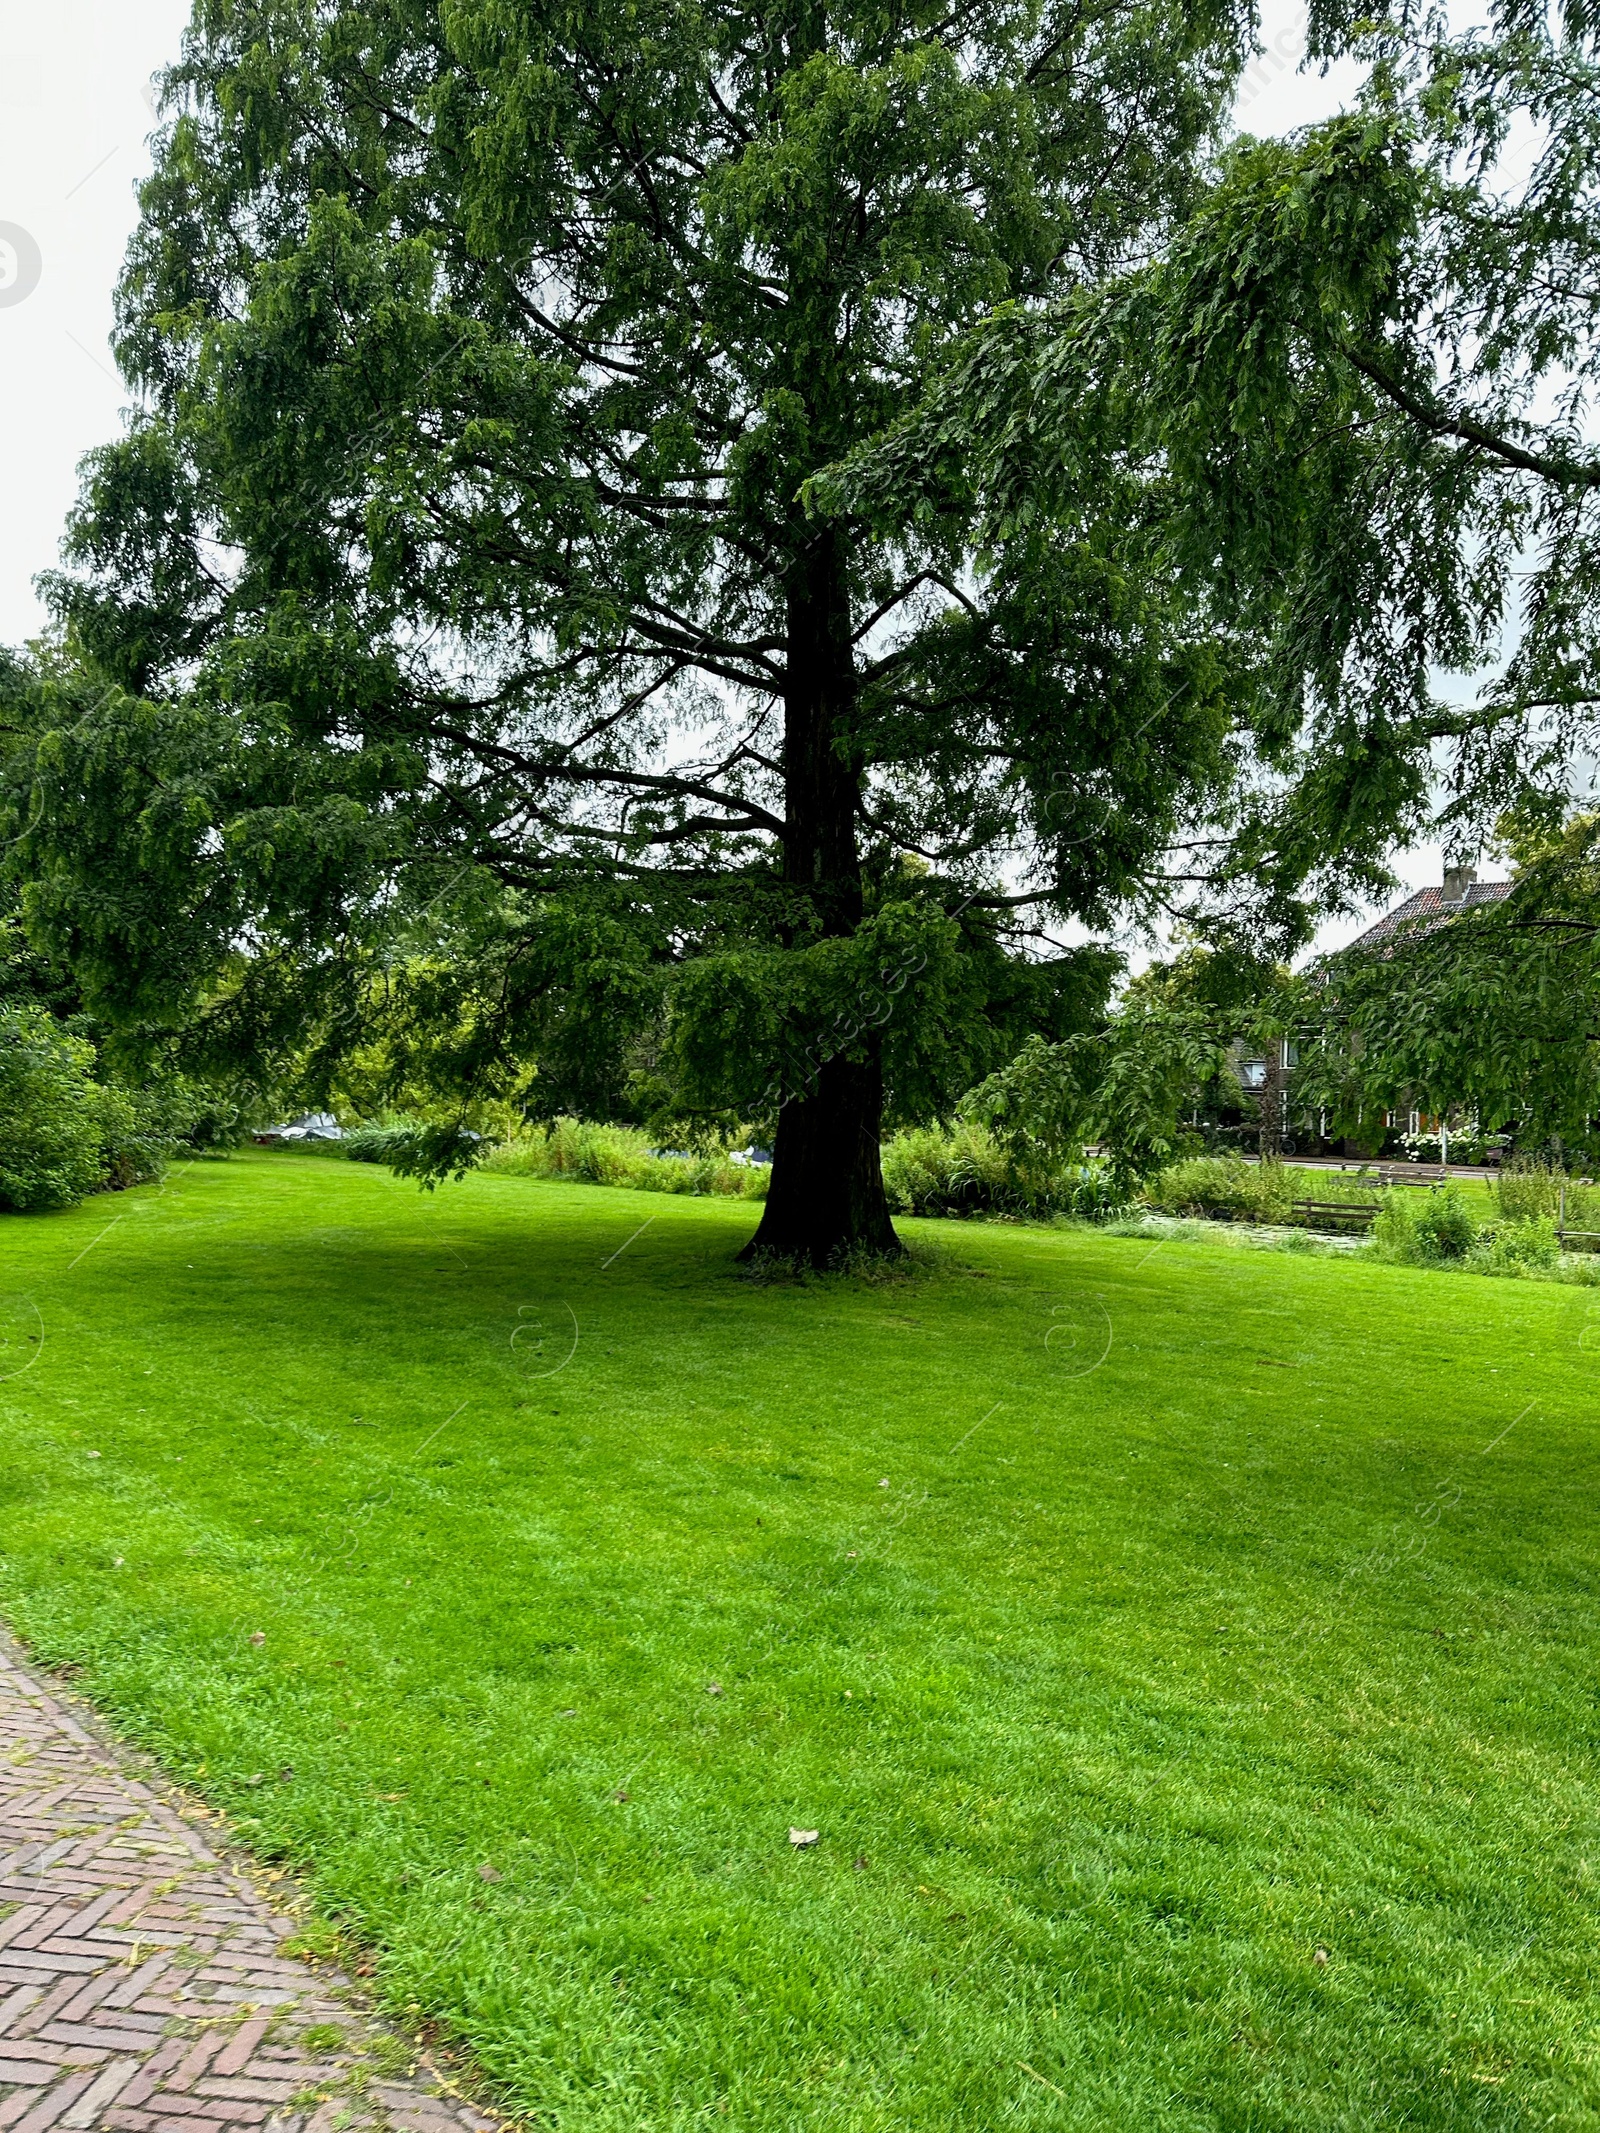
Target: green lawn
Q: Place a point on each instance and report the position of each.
(1131, 1622)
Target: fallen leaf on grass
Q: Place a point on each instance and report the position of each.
(713, 1688)
(258, 1637)
(486, 1872)
(801, 1838)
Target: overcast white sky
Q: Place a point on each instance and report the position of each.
(75, 113)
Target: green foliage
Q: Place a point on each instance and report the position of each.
(1224, 1186)
(375, 1143)
(1528, 1191)
(1365, 373)
(56, 1124)
(1125, 1087)
(496, 348)
(966, 1170)
(1489, 1011)
(1425, 1229)
(1516, 1247)
(138, 1131)
(139, 1122)
(622, 1155)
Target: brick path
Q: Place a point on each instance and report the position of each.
(143, 1985)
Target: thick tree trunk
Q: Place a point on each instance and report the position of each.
(827, 1200)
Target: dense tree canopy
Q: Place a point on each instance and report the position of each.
(1363, 373)
(461, 644)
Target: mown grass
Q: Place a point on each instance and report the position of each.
(1131, 1621)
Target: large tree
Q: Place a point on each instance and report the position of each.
(455, 613)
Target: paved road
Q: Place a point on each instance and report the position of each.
(143, 1984)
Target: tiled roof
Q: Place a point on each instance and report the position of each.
(1427, 910)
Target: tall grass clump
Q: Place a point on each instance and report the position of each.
(622, 1155)
(1532, 1192)
(1516, 1248)
(963, 1170)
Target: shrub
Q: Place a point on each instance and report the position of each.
(964, 1170)
(1516, 1247)
(137, 1132)
(1226, 1187)
(1423, 1230)
(959, 1170)
(1096, 1195)
(53, 1122)
(375, 1143)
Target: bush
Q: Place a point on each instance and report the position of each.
(137, 1132)
(1224, 1187)
(376, 1144)
(1517, 1247)
(960, 1170)
(53, 1123)
(1464, 1146)
(1424, 1230)
(963, 1170)
(1096, 1195)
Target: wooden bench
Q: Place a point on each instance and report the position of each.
(1329, 1214)
(1412, 1174)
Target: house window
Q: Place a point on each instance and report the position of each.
(1253, 1073)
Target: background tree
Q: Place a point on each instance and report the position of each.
(466, 627)
(1364, 374)
(1493, 1013)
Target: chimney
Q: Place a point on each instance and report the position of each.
(1457, 880)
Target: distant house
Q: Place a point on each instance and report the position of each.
(1266, 1079)
(1430, 909)
(1413, 920)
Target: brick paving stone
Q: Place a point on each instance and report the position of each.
(143, 1981)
